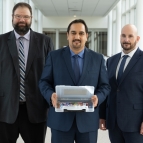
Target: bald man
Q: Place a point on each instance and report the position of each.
(122, 112)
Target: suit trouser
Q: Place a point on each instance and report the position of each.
(30, 133)
(118, 136)
(73, 135)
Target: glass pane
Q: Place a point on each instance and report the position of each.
(1, 13)
(102, 43)
(52, 35)
(63, 39)
(123, 6)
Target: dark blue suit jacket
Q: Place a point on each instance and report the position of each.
(125, 102)
(58, 71)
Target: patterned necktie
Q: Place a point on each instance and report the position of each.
(121, 68)
(76, 68)
(22, 70)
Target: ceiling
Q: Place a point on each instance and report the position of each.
(62, 8)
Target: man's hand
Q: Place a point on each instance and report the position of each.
(54, 99)
(102, 124)
(141, 130)
(94, 100)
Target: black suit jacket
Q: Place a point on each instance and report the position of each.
(125, 102)
(37, 107)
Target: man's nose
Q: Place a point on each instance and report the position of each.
(126, 39)
(77, 36)
(21, 19)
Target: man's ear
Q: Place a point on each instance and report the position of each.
(138, 38)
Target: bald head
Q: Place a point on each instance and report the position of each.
(130, 28)
(129, 38)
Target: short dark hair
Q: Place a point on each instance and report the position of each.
(22, 4)
(78, 21)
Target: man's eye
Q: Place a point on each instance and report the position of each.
(26, 16)
(81, 33)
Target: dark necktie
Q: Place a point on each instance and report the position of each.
(76, 68)
(22, 70)
(121, 68)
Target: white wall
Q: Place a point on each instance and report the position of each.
(63, 22)
(7, 15)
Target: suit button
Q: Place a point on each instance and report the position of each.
(118, 90)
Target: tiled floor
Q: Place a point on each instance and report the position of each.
(102, 137)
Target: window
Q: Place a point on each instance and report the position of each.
(128, 12)
(35, 19)
(1, 16)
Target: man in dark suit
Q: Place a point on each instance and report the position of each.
(59, 70)
(124, 106)
(22, 57)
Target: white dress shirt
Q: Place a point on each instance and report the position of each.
(130, 55)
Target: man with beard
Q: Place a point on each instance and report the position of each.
(23, 110)
(59, 69)
(122, 111)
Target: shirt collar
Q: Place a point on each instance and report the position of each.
(26, 36)
(129, 54)
(81, 54)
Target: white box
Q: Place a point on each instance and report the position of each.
(74, 98)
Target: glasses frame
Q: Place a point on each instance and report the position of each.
(25, 17)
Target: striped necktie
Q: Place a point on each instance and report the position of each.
(22, 70)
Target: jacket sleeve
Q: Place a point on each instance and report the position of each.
(46, 81)
(103, 88)
(102, 107)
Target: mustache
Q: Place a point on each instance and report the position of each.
(126, 43)
(76, 40)
(21, 23)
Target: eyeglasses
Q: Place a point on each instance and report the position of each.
(25, 17)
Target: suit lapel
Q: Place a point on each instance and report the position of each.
(13, 51)
(131, 64)
(32, 51)
(114, 67)
(67, 59)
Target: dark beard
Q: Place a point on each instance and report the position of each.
(21, 30)
(131, 46)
